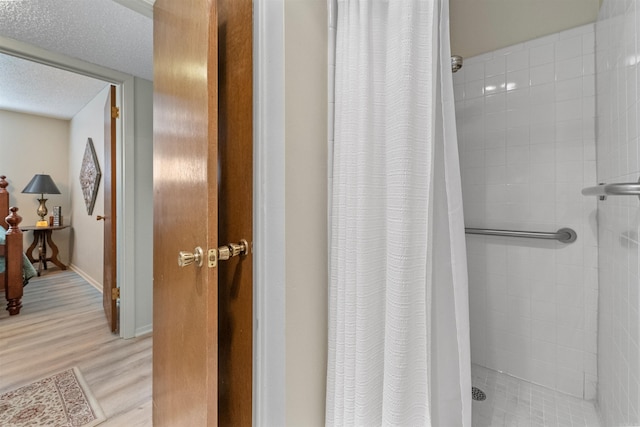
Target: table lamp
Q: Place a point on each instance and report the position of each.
(41, 184)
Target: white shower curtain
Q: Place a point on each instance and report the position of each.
(398, 299)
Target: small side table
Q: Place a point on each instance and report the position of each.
(42, 236)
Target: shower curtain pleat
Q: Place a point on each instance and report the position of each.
(390, 248)
(453, 396)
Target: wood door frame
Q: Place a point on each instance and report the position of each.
(125, 190)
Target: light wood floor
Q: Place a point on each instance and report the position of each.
(62, 325)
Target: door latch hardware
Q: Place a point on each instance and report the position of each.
(212, 258)
(226, 252)
(188, 258)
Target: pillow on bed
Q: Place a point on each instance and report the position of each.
(3, 232)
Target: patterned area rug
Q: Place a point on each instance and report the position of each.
(60, 400)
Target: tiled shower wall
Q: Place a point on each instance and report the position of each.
(617, 57)
(527, 142)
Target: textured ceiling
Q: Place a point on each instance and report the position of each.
(28, 87)
(102, 32)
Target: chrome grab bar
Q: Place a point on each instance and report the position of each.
(618, 189)
(564, 235)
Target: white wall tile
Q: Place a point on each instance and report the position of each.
(572, 130)
(543, 291)
(588, 65)
(569, 171)
(494, 84)
(517, 155)
(544, 114)
(495, 121)
(518, 60)
(542, 153)
(473, 89)
(517, 135)
(474, 107)
(568, 89)
(536, 300)
(542, 74)
(473, 71)
(518, 99)
(569, 358)
(569, 68)
(497, 138)
(519, 118)
(567, 151)
(540, 55)
(588, 85)
(495, 174)
(569, 110)
(544, 312)
(569, 336)
(570, 381)
(543, 94)
(568, 48)
(545, 373)
(494, 66)
(518, 79)
(495, 157)
(543, 134)
(494, 103)
(588, 43)
(543, 173)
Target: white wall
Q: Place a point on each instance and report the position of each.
(527, 143)
(30, 145)
(88, 233)
(306, 210)
(617, 54)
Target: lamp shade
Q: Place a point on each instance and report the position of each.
(41, 184)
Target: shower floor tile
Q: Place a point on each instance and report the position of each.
(512, 402)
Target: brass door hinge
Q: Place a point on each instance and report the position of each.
(115, 293)
(115, 113)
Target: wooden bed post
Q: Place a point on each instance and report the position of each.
(13, 269)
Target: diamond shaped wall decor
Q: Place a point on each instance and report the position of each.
(90, 176)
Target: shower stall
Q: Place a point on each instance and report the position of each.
(540, 124)
(526, 132)
(552, 256)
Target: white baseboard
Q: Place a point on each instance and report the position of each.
(86, 277)
(143, 330)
